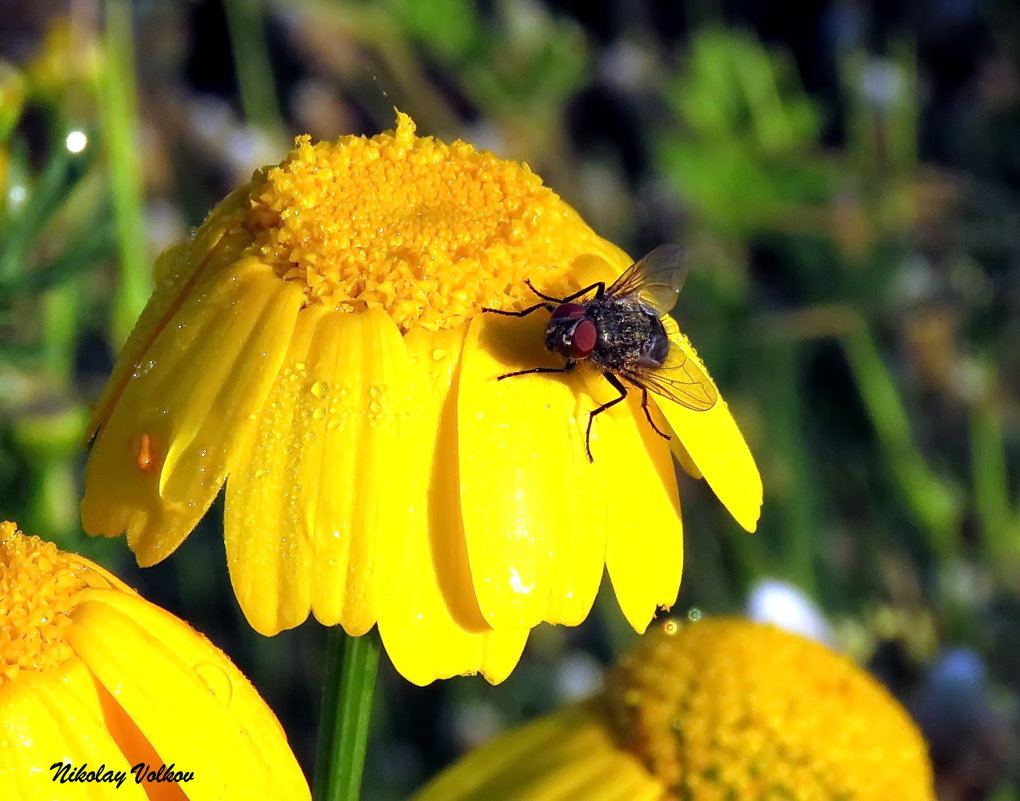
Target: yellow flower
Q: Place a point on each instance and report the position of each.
(721, 710)
(94, 677)
(319, 344)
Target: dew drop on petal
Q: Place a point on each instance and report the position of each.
(216, 679)
(320, 389)
(439, 354)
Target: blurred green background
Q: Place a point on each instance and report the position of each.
(844, 174)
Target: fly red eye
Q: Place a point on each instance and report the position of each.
(568, 310)
(583, 341)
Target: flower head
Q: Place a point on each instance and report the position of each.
(92, 674)
(712, 711)
(319, 345)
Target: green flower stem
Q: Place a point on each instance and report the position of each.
(351, 664)
(120, 125)
(934, 502)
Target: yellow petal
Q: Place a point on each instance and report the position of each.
(176, 429)
(52, 717)
(716, 446)
(645, 548)
(429, 617)
(563, 757)
(187, 698)
(177, 272)
(535, 533)
(267, 526)
(332, 450)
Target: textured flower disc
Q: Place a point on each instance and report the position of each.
(721, 710)
(730, 709)
(91, 674)
(319, 344)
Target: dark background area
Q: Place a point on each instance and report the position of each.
(843, 174)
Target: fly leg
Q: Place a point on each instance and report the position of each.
(648, 414)
(523, 313)
(619, 387)
(598, 286)
(564, 369)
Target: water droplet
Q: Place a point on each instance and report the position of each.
(332, 425)
(439, 354)
(216, 679)
(375, 407)
(318, 413)
(300, 367)
(320, 389)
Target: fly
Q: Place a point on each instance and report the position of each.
(618, 330)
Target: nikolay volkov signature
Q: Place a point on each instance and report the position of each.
(65, 772)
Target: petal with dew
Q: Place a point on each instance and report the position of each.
(178, 426)
(147, 658)
(714, 443)
(429, 617)
(332, 450)
(645, 548)
(536, 542)
(176, 273)
(58, 715)
(268, 531)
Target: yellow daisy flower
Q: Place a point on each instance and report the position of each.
(720, 710)
(319, 345)
(106, 696)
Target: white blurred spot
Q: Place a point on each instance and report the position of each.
(789, 607)
(76, 141)
(578, 676)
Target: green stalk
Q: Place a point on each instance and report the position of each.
(935, 503)
(251, 59)
(800, 505)
(351, 665)
(120, 123)
(999, 529)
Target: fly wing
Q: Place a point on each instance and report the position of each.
(656, 280)
(680, 379)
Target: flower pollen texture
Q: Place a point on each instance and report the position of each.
(726, 709)
(38, 583)
(426, 231)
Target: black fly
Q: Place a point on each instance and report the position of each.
(619, 331)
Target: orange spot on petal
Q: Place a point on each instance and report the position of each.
(145, 457)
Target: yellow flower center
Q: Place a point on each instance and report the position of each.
(38, 583)
(427, 231)
(726, 709)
